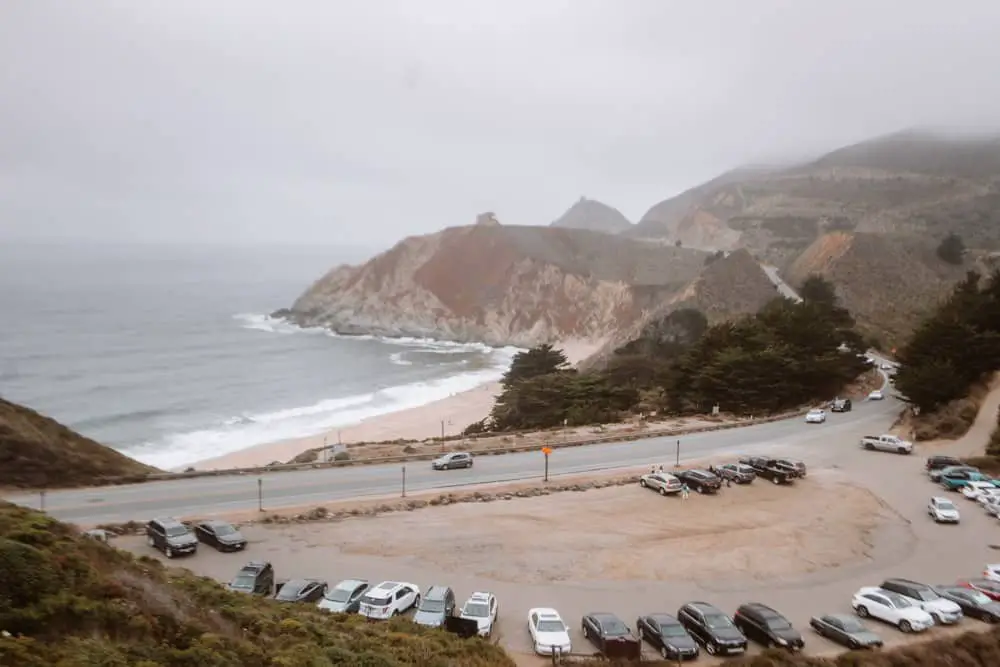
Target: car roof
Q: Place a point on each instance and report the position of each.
(350, 583)
(389, 586)
(906, 582)
(664, 619)
(480, 596)
(215, 522)
(703, 606)
(168, 521)
(298, 583)
(545, 612)
(604, 616)
(941, 499)
(436, 593)
(840, 617)
(761, 609)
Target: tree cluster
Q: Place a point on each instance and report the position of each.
(957, 346)
(952, 249)
(787, 354)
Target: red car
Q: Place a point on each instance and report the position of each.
(990, 589)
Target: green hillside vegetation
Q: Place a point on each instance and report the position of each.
(38, 452)
(783, 356)
(70, 601)
(951, 354)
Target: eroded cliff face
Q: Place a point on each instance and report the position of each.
(499, 285)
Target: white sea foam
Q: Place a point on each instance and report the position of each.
(249, 429)
(397, 358)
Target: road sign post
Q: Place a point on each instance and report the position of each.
(677, 460)
(404, 482)
(41, 500)
(546, 451)
(260, 494)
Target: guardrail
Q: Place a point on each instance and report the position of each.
(494, 451)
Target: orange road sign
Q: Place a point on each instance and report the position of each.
(546, 450)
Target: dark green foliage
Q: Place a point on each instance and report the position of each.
(952, 249)
(541, 360)
(70, 601)
(954, 348)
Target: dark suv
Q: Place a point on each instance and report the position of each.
(939, 462)
(841, 405)
(700, 481)
(255, 578)
(766, 626)
(712, 628)
(171, 537)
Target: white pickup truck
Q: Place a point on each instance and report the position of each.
(887, 443)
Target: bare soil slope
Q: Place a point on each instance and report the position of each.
(39, 452)
(594, 216)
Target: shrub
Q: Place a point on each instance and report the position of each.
(342, 456)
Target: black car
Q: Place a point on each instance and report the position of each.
(766, 626)
(845, 630)
(973, 603)
(769, 469)
(738, 473)
(610, 635)
(701, 481)
(221, 535)
(666, 634)
(302, 590)
(841, 405)
(712, 628)
(171, 537)
(255, 578)
(798, 468)
(939, 462)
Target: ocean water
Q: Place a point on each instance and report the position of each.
(168, 355)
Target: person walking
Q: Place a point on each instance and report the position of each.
(684, 492)
(661, 467)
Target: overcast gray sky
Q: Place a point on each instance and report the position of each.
(363, 121)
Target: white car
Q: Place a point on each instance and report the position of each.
(548, 632)
(992, 572)
(876, 395)
(973, 490)
(389, 599)
(874, 602)
(988, 496)
(943, 510)
(816, 416)
(482, 608)
(992, 505)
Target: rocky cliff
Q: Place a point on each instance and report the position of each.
(594, 216)
(499, 285)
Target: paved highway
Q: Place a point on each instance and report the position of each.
(216, 495)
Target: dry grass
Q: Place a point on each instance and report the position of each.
(950, 422)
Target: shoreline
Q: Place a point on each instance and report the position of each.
(450, 415)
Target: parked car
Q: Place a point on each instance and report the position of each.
(712, 628)
(973, 490)
(936, 473)
(846, 631)
(171, 537)
(255, 578)
(662, 482)
(943, 510)
(816, 416)
(795, 466)
(987, 587)
(891, 608)
(738, 473)
(767, 627)
(939, 462)
(992, 572)
(988, 495)
(388, 599)
(452, 460)
(973, 603)
(942, 610)
(345, 597)
(701, 481)
(666, 634)
(875, 395)
(609, 633)
(437, 604)
(301, 590)
(841, 405)
(549, 633)
(481, 607)
(769, 469)
(886, 443)
(220, 534)
(954, 479)
(991, 503)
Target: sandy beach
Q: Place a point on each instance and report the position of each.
(451, 414)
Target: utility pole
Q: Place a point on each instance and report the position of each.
(442, 435)
(41, 500)
(260, 494)
(677, 462)
(404, 481)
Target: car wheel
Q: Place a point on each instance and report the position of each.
(853, 645)
(663, 491)
(470, 464)
(711, 648)
(586, 632)
(664, 652)
(904, 626)
(416, 602)
(698, 489)
(901, 450)
(642, 483)
(776, 480)
(168, 552)
(150, 542)
(642, 635)
(862, 611)
(869, 446)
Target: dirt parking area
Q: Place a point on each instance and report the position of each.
(625, 533)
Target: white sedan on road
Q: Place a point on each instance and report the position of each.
(876, 395)
(816, 416)
(874, 602)
(548, 632)
(943, 510)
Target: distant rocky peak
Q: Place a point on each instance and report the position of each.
(594, 216)
(487, 219)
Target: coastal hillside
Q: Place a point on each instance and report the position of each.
(910, 183)
(594, 216)
(498, 284)
(71, 600)
(38, 452)
(888, 282)
(731, 285)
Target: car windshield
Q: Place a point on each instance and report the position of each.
(476, 610)
(718, 621)
(850, 625)
(551, 625)
(338, 595)
(176, 531)
(672, 630)
(243, 581)
(945, 505)
(978, 598)
(433, 606)
(223, 530)
(613, 627)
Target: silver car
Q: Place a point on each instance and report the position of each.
(663, 482)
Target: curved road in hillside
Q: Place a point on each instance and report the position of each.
(237, 493)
